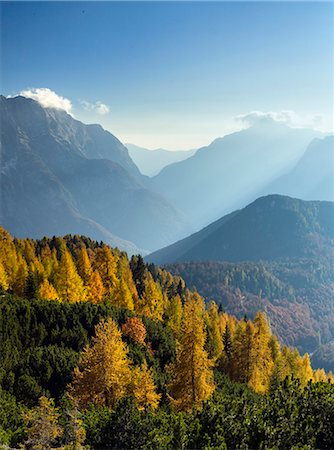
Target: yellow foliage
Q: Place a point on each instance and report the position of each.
(3, 278)
(192, 375)
(42, 425)
(121, 296)
(47, 291)
(153, 301)
(95, 288)
(104, 373)
(143, 388)
(69, 285)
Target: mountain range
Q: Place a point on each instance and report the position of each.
(60, 176)
(233, 171)
(270, 228)
(151, 162)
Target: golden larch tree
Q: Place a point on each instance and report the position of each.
(68, 283)
(192, 375)
(42, 425)
(47, 291)
(121, 296)
(106, 264)
(104, 373)
(135, 329)
(143, 388)
(95, 288)
(152, 302)
(262, 363)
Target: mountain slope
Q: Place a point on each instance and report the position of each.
(270, 228)
(313, 176)
(232, 171)
(60, 176)
(151, 162)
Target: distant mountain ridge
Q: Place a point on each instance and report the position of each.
(232, 171)
(312, 178)
(151, 162)
(271, 228)
(59, 176)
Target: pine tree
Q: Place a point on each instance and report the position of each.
(104, 373)
(242, 347)
(143, 388)
(69, 285)
(21, 276)
(42, 425)
(192, 375)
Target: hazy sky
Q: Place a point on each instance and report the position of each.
(172, 75)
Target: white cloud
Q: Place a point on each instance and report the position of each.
(98, 107)
(48, 98)
(287, 117)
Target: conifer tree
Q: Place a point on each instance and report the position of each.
(121, 296)
(242, 347)
(69, 285)
(95, 288)
(135, 329)
(143, 388)
(261, 356)
(214, 341)
(106, 264)
(21, 275)
(104, 373)
(42, 425)
(192, 375)
(47, 291)
(84, 266)
(174, 314)
(3, 278)
(152, 301)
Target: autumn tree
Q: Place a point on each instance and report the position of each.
(192, 375)
(135, 329)
(214, 341)
(3, 278)
(174, 314)
(143, 388)
(47, 291)
(106, 264)
(95, 288)
(84, 266)
(261, 355)
(121, 295)
(42, 425)
(152, 301)
(104, 372)
(69, 285)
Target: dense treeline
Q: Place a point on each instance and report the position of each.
(102, 351)
(295, 293)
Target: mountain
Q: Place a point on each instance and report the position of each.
(60, 176)
(232, 171)
(312, 178)
(270, 228)
(151, 162)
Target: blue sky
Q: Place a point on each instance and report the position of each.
(173, 75)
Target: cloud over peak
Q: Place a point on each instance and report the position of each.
(48, 98)
(98, 107)
(286, 117)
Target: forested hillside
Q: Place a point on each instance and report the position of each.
(297, 295)
(102, 351)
